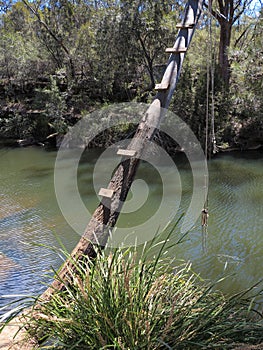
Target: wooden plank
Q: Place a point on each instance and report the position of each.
(176, 49)
(162, 86)
(105, 192)
(126, 152)
(185, 25)
(103, 217)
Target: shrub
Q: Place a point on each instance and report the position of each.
(128, 300)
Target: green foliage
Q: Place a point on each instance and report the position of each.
(129, 300)
(15, 125)
(247, 68)
(113, 51)
(55, 106)
(19, 49)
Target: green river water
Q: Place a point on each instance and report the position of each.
(30, 215)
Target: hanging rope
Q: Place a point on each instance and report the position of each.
(212, 58)
(209, 80)
(210, 147)
(208, 65)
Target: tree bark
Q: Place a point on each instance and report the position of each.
(230, 12)
(107, 213)
(225, 37)
(149, 61)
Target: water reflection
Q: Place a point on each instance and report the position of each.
(29, 214)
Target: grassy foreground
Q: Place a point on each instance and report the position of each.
(127, 300)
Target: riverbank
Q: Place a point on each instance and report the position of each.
(53, 141)
(13, 338)
(22, 125)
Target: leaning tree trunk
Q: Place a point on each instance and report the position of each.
(106, 214)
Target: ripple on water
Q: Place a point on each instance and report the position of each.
(29, 214)
(23, 261)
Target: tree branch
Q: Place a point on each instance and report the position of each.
(147, 59)
(241, 36)
(242, 10)
(231, 11)
(221, 7)
(52, 34)
(213, 13)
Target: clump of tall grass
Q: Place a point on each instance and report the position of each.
(126, 300)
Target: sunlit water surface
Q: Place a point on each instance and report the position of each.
(31, 222)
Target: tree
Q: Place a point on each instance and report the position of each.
(55, 22)
(149, 23)
(227, 13)
(247, 70)
(18, 45)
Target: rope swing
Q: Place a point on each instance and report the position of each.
(210, 147)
